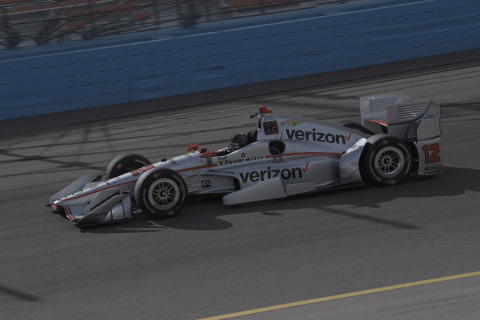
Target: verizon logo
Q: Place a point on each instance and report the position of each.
(256, 176)
(317, 136)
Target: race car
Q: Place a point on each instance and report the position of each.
(284, 156)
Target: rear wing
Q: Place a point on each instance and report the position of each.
(418, 122)
(396, 114)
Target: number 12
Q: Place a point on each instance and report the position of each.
(434, 157)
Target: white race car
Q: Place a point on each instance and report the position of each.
(284, 156)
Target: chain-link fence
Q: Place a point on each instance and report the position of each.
(28, 23)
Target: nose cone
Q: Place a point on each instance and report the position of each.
(60, 202)
(78, 197)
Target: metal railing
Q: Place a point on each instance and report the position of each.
(28, 23)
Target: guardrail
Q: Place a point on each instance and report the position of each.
(39, 22)
(199, 62)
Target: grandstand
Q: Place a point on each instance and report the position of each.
(32, 22)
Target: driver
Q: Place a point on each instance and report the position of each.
(238, 141)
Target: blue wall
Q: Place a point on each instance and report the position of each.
(131, 72)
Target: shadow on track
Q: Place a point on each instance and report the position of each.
(207, 215)
(141, 224)
(17, 294)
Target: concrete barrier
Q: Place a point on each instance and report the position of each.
(128, 72)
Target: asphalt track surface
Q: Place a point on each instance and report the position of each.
(213, 260)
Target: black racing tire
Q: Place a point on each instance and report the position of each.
(125, 163)
(386, 160)
(354, 125)
(161, 193)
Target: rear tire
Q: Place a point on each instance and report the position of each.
(161, 193)
(125, 163)
(386, 160)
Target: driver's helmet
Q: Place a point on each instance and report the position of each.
(238, 141)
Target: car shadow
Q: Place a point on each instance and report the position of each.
(208, 215)
(19, 295)
(141, 224)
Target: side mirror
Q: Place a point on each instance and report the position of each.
(208, 154)
(192, 147)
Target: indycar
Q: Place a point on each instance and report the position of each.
(284, 156)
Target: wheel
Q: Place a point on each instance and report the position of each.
(386, 160)
(125, 163)
(161, 193)
(356, 126)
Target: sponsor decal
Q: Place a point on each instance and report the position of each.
(287, 173)
(187, 155)
(277, 158)
(109, 182)
(291, 123)
(254, 158)
(243, 155)
(221, 171)
(206, 183)
(98, 214)
(223, 161)
(172, 161)
(317, 136)
(432, 170)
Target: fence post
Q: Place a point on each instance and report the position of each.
(13, 38)
(179, 12)
(262, 7)
(207, 9)
(157, 12)
(92, 18)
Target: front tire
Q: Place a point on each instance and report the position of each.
(125, 163)
(387, 160)
(161, 193)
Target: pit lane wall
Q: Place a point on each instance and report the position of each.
(41, 84)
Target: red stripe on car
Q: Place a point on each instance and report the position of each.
(87, 194)
(195, 168)
(67, 212)
(307, 154)
(380, 122)
(120, 184)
